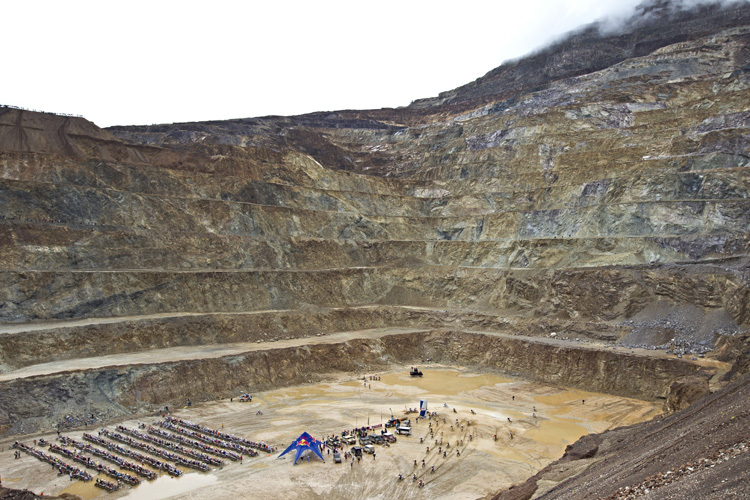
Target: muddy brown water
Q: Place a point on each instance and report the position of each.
(485, 465)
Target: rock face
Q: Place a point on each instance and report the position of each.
(597, 191)
(685, 391)
(587, 199)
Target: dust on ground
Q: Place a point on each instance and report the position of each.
(543, 420)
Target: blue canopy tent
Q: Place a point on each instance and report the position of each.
(304, 442)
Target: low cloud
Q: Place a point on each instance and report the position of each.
(652, 10)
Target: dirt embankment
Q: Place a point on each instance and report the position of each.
(24, 345)
(42, 345)
(36, 403)
(10, 494)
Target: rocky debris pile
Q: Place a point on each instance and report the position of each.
(677, 473)
(83, 420)
(679, 330)
(679, 347)
(10, 494)
(68, 422)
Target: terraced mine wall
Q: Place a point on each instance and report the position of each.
(609, 203)
(53, 342)
(36, 403)
(598, 293)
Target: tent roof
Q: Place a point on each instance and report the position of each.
(304, 442)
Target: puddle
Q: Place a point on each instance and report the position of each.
(556, 432)
(600, 411)
(514, 455)
(166, 486)
(352, 383)
(87, 490)
(571, 396)
(294, 393)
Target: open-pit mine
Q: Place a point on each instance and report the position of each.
(560, 246)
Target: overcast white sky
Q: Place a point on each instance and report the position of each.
(143, 62)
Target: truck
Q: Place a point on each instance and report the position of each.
(393, 422)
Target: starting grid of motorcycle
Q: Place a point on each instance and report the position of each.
(169, 446)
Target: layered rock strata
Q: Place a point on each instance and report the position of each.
(520, 219)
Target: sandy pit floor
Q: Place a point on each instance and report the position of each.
(485, 465)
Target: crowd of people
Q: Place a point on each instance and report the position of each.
(195, 444)
(106, 485)
(173, 457)
(157, 464)
(208, 439)
(93, 464)
(221, 435)
(62, 467)
(163, 443)
(110, 457)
